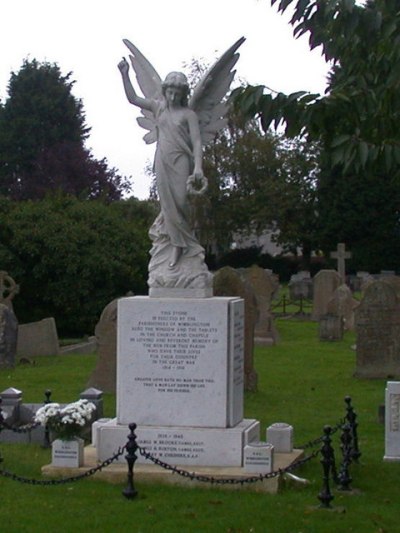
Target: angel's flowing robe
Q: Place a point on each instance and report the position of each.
(173, 165)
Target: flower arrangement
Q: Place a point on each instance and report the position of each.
(66, 422)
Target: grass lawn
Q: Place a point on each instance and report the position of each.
(301, 381)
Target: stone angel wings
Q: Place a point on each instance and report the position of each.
(206, 99)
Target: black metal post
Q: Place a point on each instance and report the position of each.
(325, 496)
(351, 418)
(131, 447)
(344, 478)
(46, 438)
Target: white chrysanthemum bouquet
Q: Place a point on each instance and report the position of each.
(66, 422)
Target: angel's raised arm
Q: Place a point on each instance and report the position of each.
(132, 96)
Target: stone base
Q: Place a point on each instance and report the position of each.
(390, 459)
(189, 446)
(144, 473)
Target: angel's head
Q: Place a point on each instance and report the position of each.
(176, 85)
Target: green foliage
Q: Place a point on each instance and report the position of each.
(42, 136)
(72, 257)
(355, 121)
(258, 182)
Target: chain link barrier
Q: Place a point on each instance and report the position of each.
(225, 481)
(319, 440)
(65, 480)
(26, 428)
(132, 447)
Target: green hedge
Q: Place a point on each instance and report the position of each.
(72, 257)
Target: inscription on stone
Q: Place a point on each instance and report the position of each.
(394, 412)
(176, 360)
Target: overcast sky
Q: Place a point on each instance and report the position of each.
(85, 37)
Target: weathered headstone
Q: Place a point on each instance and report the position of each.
(263, 287)
(38, 338)
(377, 321)
(325, 283)
(8, 337)
(104, 375)
(275, 283)
(8, 289)
(330, 328)
(228, 282)
(301, 286)
(342, 304)
(341, 255)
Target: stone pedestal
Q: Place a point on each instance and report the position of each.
(180, 379)
(280, 435)
(67, 452)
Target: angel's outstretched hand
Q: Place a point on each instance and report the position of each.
(123, 66)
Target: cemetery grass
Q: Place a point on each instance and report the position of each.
(301, 381)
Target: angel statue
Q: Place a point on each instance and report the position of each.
(180, 124)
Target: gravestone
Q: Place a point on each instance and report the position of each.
(8, 289)
(300, 286)
(263, 287)
(377, 323)
(275, 283)
(330, 328)
(228, 282)
(104, 375)
(38, 338)
(325, 282)
(392, 421)
(8, 337)
(342, 305)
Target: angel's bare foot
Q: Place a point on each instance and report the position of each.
(176, 254)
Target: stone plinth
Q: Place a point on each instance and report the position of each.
(146, 473)
(180, 362)
(181, 445)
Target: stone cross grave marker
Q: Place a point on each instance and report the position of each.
(341, 255)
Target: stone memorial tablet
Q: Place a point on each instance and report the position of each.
(180, 362)
(258, 457)
(392, 421)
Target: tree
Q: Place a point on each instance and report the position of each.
(72, 257)
(42, 139)
(355, 122)
(297, 209)
(242, 167)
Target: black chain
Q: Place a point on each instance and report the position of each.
(319, 440)
(227, 481)
(62, 481)
(26, 428)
